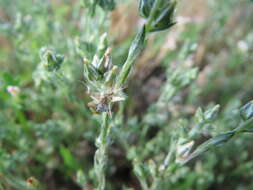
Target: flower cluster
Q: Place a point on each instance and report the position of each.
(100, 75)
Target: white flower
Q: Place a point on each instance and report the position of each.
(13, 90)
(243, 46)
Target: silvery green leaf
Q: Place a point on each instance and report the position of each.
(138, 44)
(246, 126)
(211, 143)
(135, 49)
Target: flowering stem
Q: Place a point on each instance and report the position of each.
(100, 159)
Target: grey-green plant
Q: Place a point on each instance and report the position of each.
(105, 83)
(105, 86)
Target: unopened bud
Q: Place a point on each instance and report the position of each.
(211, 114)
(247, 110)
(50, 60)
(103, 43)
(183, 151)
(85, 61)
(108, 52)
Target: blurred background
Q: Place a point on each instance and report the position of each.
(47, 133)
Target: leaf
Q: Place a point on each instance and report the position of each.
(135, 49)
(137, 44)
(211, 143)
(246, 126)
(68, 159)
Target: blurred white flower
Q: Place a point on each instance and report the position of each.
(243, 46)
(13, 90)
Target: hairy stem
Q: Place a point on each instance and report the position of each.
(100, 160)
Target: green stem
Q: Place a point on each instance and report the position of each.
(101, 156)
(244, 127)
(135, 49)
(220, 139)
